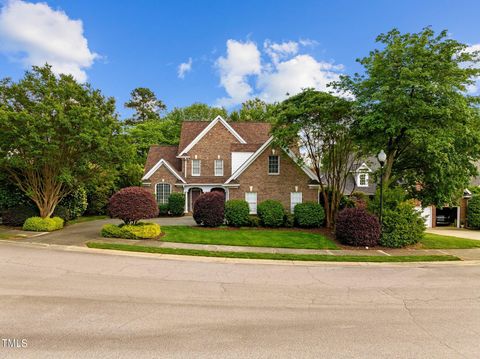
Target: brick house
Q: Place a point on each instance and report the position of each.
(239, 160)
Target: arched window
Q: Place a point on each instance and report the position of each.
(162, 192)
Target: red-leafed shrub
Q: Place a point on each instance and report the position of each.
(357, 227)
(209, 209)
(132, 204)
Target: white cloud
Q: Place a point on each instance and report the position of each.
(474, 89)
(242, 61)
(184, 67)
(291, 76)
(285, 70)
(34, 34)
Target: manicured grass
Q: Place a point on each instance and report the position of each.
(436, 241)
(86, 219)
(278, 256)
(250, 237)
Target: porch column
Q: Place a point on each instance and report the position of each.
(185, 192)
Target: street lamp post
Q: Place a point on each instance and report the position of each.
(382, 157)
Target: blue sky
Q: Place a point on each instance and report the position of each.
(238, 49)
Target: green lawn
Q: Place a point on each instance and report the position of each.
(247, 237)
(436, 241)
(86, 219)
(277, 256)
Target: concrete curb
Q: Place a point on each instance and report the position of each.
(187, 258)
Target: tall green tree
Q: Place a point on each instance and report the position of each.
(196, 112)
(55, 134)
(146, 105)
(254, 110)
(320, 124)
(412, 101)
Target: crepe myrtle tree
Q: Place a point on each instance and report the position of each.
(412, 101)
(55, 134)
(320, 124)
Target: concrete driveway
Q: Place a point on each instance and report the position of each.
(455, 232)
(78, 234)
(69, 304)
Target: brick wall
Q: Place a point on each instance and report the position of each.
(276, 187)
(163, 175)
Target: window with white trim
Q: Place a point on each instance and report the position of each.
(218, 167)
(251, 198)
(363, 179)
(162, 192)
(273, 165)
(196, 165)
(295, 198)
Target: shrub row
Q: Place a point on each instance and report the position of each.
(141, 230)
(39, 224)
(174, 207)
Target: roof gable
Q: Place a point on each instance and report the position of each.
(159, 164)
(168, 153)
(218, 119)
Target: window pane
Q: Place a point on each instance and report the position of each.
(196, 167)
(163, 192)
(295, 198)
(273, 165)
(251, 198)
(218, 167)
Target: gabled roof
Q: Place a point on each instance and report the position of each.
(168, 153)
(218, 119)
(253, 132)
(253, 157)
(159, 164)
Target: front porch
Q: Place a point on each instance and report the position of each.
(193, 191)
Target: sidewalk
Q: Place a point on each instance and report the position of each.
(455, 232)
(464, 254)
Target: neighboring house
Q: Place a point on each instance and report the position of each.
(239, 160)
(361, 179)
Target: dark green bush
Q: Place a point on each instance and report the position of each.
(357, 227)
(309, 215)
(163, 210)
(176, 204)
(62, 212)
(253, 221)
(271, 213)
(402, 226)
(12, 196)
(392, 197)
(16, 216)
(288, 220)
(473, 212)
(75, 203)
(237, 213)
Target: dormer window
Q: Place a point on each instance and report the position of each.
(362, 179)
(273, 165)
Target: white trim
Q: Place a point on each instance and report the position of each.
(262, 148)
(363, 167)
(199, 168)
(208, 128)
(157, 166)
(359, 183)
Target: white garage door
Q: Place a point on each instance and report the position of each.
(426, 214)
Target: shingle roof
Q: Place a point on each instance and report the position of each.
(190, 130)
(168, 153)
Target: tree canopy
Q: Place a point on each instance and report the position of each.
(55, 134)
(254, 110)
(413, 102)
(145, 104)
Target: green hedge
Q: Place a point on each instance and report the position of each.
(271, 213)
(309, 215)
(237, 213)
(473, 212)
(39, 224)
(163, 210)
(402, 226)
(176, 204)
(141, 230)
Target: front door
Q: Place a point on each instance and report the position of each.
(194, 194)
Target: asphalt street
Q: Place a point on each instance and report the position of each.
(71, 304)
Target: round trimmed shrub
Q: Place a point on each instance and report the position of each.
(209, 209)
(237, 213)
(402, 227)
(309, 215)
(473, 212)
(288, 220)
(16, 216)
(132, 204)
(39, 224)
(357, 227)
(271, 213)
(176, 204)
(253, 221)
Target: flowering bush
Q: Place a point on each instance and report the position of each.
(132, 204)
(209, 209)
(357, 227)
